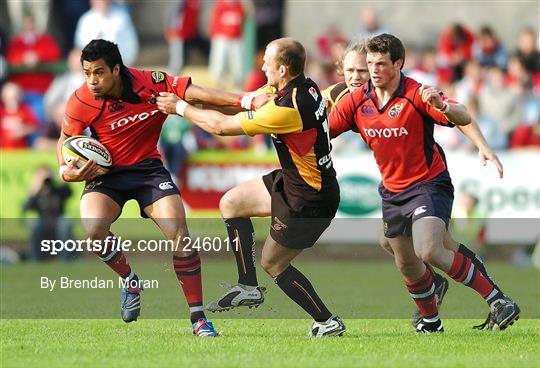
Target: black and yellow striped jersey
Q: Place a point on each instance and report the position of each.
(334, 93)
(297, 121)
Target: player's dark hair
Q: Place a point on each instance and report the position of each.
(387, 43)
(102, 49)
(290, 53)
(358, 46)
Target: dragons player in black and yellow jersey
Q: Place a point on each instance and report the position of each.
(302, 197)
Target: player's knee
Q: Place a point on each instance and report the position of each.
(227, 204)
(428, 254)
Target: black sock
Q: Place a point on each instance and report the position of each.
(298, 288)
(478, 263)
(242, 242)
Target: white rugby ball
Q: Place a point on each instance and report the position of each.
(86, 148)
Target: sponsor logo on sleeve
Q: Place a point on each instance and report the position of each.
(158, 77)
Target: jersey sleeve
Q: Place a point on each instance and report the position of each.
(178, 85)
(75, 117)
(163, 82)
(271, 119)
(342, 116)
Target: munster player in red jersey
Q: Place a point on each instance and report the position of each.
(395, 116)
(118, 105)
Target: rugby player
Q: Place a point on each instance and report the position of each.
(118, 104)
(302, 197)
(395, 116)
(353, 66)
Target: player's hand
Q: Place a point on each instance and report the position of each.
(486, 154)
(431, 96)
(166, 102)
(262, 99)
(89, 171)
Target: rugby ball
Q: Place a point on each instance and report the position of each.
(86, 148)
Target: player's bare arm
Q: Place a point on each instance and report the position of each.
(473, 132)
(455, 112)
(70, 172)
(214, 122)
(215, 97)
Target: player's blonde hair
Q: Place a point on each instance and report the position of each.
(358, 46)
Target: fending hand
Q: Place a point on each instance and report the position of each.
(166, 102)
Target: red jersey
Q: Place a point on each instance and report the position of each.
(11, 122)
(47, 51)
(400, 134)
(227, 18)
(128, 126)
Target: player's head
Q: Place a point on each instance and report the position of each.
(385, 58)
(353, 66)
(284, 59)
(102, 65)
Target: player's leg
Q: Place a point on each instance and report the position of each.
(249, 199)
(276, 261)
(428, 233)
(441, 283)
(237, 206)
(98, 212)
(453, 245)
(169, 214)
(419, 281)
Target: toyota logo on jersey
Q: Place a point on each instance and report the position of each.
(134, 118)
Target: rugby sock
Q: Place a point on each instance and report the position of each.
(188, 273)
(437, 278)
(114, 258)
(478, 263)
(464, 270)
(422, 291)
(299, 289)
(242, 242)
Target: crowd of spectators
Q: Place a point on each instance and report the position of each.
(500, 85)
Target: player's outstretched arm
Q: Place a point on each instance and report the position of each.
(211, 121)
(473, 132)
(215, 97)
(454, 112)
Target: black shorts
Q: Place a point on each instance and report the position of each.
(428, 198)
(299, 227)
(146, 182)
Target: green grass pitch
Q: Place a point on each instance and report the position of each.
(368, 295)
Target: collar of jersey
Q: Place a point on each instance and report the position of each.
(368, 90)
(292, 83)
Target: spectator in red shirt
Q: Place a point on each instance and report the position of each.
(17, 121)
(182, 33)
(455, 48)
(31, 50)
(526, 136)
(226, 40)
